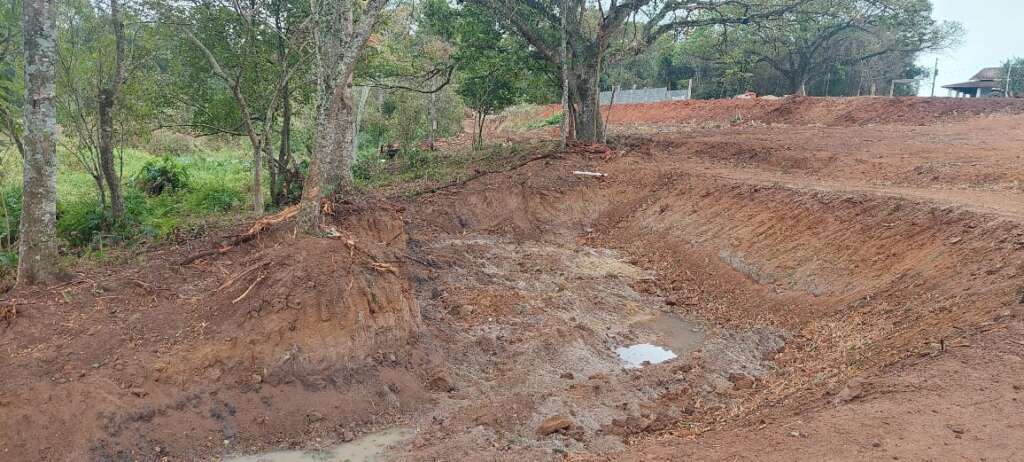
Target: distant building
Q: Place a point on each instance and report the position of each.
(987, 83)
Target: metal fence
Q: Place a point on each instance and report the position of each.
(644, 95)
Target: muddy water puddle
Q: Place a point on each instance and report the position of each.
(369, 448)
(673, 337)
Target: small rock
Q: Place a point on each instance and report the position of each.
(876, 444)
(567, 376)
(314, 417)
(671, 302)
(138, 392)
(347, 436)
(554, 424)
(466, 310)
(854, 389)
(440, 384)
(956, 429)
(256, 378)
(1017, 387)
(741, 381)
(794, 434)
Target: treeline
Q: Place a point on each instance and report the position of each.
(821, 48)
(120, 90)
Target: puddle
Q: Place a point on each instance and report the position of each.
(678, 334)
(635, 356)
(369, 448)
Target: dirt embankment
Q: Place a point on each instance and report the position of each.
(787, 267)
(280, 341)
(860, 281)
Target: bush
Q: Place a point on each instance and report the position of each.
(552, 120)
(166, 142)
(11, 203)
(158, 176)
(214, 197)
(80, 222)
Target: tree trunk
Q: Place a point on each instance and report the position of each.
(481, 118)
(107, 101)
(283, 184)
(106, 149)
(588, 125)
(38, 258)
(330, 170)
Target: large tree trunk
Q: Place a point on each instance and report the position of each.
(588, 124)
(339, 42)
(38, 258)
(330, 169)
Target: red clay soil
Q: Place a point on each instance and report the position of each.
(249, 349)
(856, 291)
(796, 110)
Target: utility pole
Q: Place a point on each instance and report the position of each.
(935, 76)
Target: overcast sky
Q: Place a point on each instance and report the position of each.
(994, 33)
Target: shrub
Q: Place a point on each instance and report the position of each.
(214, 197)
(166, 142)
(80, 222)
(158, 176)
(10, 202)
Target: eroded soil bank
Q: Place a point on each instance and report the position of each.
(820, 299)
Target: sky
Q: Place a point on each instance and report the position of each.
(994, 34)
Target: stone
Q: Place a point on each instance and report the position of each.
(741, 381)
(554, 424)
(567, 376)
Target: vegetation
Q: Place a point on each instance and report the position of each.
(165, 114)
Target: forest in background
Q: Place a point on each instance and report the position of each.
(170, 114)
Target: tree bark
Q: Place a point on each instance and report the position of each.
(283, 183)
(589, 127)
(330, 169)
(38, 258)
(339, 42)
(107, 101)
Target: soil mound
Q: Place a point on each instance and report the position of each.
(247, 348)
(852, 111)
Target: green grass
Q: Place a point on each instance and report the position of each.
(217, 184)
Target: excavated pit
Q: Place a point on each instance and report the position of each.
(488, 321)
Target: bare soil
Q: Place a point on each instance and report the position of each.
(841, 277)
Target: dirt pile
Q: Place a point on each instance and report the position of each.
(840, 112)
(283, 339)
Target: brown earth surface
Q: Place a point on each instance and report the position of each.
(840, 278)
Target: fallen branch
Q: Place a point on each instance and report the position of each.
(231, 280)
(595, 174)
(252, 233)
(482, 173)
(240, 297)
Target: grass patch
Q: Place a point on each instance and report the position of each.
(162, 194)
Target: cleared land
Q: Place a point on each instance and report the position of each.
(840, 278)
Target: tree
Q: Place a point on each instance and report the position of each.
(339, 41)
(1013, 75)
(12, 89)
(595, 31)
(494, 69)
(91, 83)
(822, 37)
(252, 49)
(38, 257)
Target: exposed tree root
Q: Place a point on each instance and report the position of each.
(252, 233)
